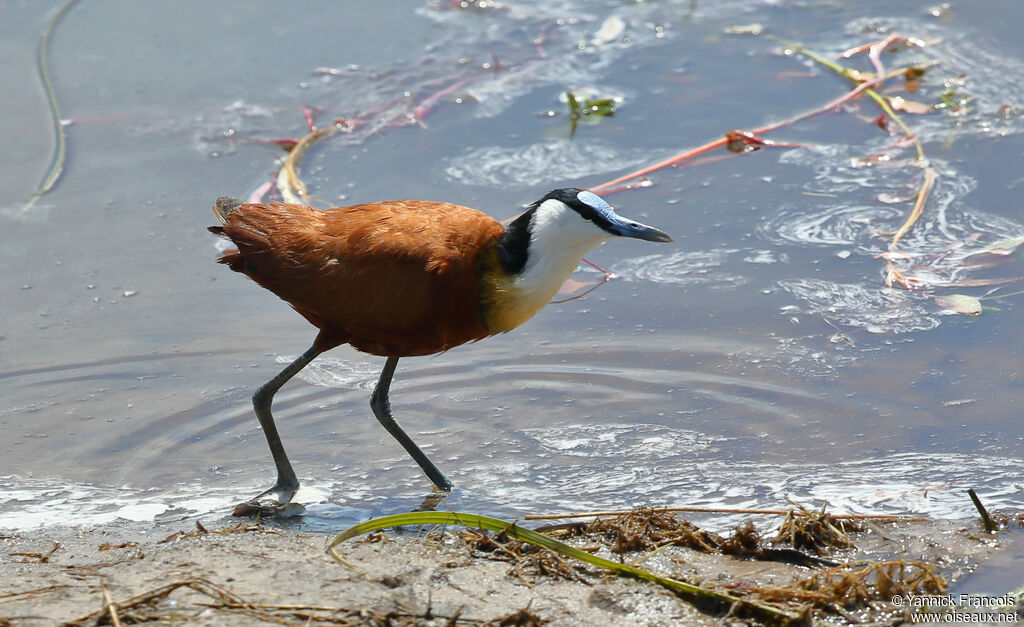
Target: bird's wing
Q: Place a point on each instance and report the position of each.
(386, 277)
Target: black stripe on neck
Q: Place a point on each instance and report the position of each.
(515, 242)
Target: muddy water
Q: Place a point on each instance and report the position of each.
(758, 358)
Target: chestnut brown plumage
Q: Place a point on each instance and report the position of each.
(405, 278)
(364, 278)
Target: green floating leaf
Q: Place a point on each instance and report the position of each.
(959, 303)
(574, 107)
(583, 108)
(574, 112)
(603, 107)
(703, 598)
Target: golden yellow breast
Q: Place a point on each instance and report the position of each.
(506, 308)
(507, 301)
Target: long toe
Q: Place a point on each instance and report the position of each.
(253, 509)
(280, 501)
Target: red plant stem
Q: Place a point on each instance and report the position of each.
(625, 188)
(852, 52)
(428, 103)
(595, 266)
(541, 38)
(384, 107)
(759, 131)
(662, 164)
(877, 49)
(310, 114)
(257, 194)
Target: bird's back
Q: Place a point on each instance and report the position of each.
(397, 278)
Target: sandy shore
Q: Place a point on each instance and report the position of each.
(230, 573)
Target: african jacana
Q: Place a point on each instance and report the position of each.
(408, 277)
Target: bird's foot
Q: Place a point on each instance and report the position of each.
(432, 500)
(280, 505)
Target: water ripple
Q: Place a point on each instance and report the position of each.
(876, 310)
(695, 267)
(550, 160)
(844, 226)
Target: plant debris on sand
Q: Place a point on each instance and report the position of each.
(812, 566)
(861, 586)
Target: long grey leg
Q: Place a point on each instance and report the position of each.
(287, 482)
(382, 410)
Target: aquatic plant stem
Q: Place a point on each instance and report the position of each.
(111, 606)
(60, 152)
(724, 140)
(703, 598)
(990, 525)
(863, 87)
(292, 188)
(689, 154)
(892, 274)
(288, 183)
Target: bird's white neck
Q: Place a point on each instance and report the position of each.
(558, 239)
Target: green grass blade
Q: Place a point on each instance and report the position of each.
(703, 598)
(60, 151)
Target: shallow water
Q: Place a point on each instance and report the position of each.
(708, 373)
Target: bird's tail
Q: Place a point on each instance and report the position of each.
(225, 206)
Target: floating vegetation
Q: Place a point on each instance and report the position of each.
(60, 149)
(911, 269)
(611, 30)
(959, 303)
(587, 109)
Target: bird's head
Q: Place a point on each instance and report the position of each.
(544, 245)
(580, 217)
(566, 223)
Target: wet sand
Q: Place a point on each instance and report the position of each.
(227, 573)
